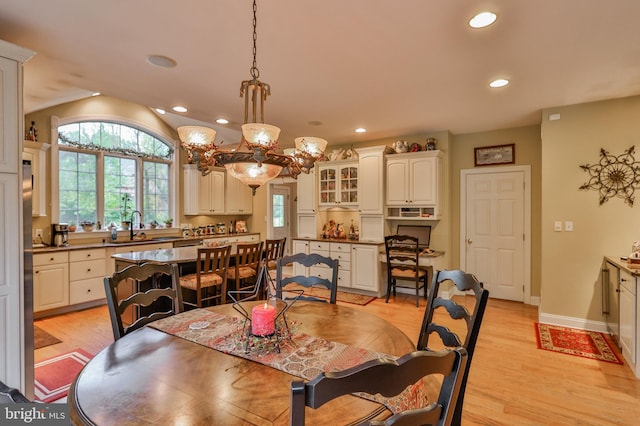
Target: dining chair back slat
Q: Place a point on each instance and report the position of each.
(330, 282)
(142, 305)
(388, 378)
(469, 321)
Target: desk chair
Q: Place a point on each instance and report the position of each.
(209, 283)
(328, 280)
(246, 263)
(389, 378)
(126, 297)
(472, 321)
(403, 256)
(11, 395)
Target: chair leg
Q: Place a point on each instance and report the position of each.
(417, 294)
(388, 291)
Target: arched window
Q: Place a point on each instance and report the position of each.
(108, 170)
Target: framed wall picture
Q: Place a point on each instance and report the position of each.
(497, 154)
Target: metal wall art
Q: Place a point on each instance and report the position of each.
(614, 176)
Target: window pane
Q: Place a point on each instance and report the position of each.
(278, 210)
(156, 191)
(119, 181)
(78, 192)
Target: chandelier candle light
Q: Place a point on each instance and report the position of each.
(255, 162)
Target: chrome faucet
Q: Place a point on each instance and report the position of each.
(141, 225)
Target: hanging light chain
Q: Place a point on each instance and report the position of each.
(255, 73)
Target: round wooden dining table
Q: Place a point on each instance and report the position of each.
(151, 377)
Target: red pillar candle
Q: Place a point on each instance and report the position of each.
(263, 320)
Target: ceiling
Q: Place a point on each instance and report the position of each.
(394, 67)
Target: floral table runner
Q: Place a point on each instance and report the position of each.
(300, 355)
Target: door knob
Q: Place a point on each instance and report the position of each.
(469, 241)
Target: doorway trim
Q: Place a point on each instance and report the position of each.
(526, 170)
(278, 181)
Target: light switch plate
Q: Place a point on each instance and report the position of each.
(557, 226)
(568, 226)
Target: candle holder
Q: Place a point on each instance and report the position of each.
(248, 298)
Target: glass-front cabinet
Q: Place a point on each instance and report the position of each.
(338, 185)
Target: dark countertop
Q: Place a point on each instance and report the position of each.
(338, 240)
(125, 243)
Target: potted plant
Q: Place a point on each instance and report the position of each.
(125, 212)
(168, 222)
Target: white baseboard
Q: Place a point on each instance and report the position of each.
(579, 323)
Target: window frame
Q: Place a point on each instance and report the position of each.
(173, 164)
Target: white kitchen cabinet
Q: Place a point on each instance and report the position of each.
(371, 180)
(413, 181)
(365, 267)
(87, 269)
(306, 192)
(35, 152)
(342, 253)
(300, 246)
(238, 197)
(203, 195)
(50, 280)
(338, 184)
(628, 316)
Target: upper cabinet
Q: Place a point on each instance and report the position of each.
(371, 176)
(306, 192)
(413, 185)
(239, 199)
(35, 152)
(338, 184)
(203, 195)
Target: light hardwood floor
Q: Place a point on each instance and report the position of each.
(511, 382)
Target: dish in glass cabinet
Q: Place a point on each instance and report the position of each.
(199, 325)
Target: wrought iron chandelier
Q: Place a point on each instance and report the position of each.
(255, 161)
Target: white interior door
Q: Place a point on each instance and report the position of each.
(494, 232)
(279, 209)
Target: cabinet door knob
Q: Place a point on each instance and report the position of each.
(89, 290)
(88, 269)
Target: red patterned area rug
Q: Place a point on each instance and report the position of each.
(572, 341)
(53, 376)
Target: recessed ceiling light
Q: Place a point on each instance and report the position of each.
(96, 94)
(361, 130)
(222, 121)
(161, 111)
(500, 82)
(482, 20)
(315, 123)
(161, 61)
(179, 108)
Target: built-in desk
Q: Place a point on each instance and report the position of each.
(429, 261)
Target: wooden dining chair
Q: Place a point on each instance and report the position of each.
(209, 283)
(470, 322)
(388, 378)
(403, 256)
(326, 278)
(9, 395)
(246, 262)
(274, 250)
(140, 294)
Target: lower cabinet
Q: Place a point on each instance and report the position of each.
(359, 267)
(87, 269)
(50, 280)
(365, 267)
(628, 316)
